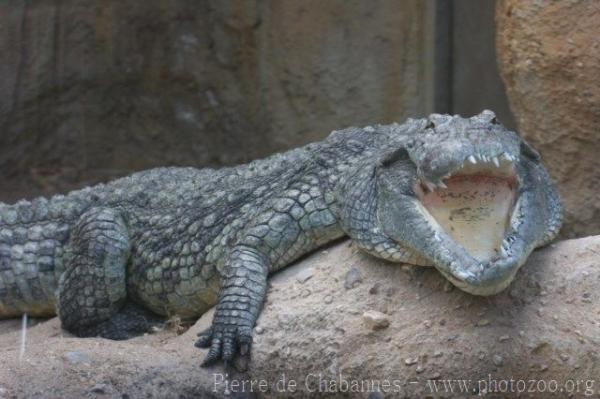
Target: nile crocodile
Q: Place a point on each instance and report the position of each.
(464, 195)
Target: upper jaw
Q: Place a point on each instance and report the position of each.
(501, 163)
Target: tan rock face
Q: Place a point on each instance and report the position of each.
(400, 329)
(549, 59)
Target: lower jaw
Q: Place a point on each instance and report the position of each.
(474, 210)
(481, 290)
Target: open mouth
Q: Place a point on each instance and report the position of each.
(473, 204)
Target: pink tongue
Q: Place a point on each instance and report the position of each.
(474, 210)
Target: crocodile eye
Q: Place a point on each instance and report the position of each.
(430, 125)
(494, 121)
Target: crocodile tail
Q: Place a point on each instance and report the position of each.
(31, 243)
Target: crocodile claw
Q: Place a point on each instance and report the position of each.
(204, 338)
(224, 342)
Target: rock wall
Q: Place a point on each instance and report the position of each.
(92, 90)
(549, 58)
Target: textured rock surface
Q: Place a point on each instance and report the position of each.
(549, 58)
(90, 91)
(544, 327)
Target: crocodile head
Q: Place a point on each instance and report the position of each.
(468, 195)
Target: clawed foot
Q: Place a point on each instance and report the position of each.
(224, 342)
(242, 293)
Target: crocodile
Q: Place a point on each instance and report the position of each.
(465, 195)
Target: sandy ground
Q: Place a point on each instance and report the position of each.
(342, 315)
(57, 365)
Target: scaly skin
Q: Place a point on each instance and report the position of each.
(115, 259)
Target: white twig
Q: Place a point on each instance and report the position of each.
(23, 336)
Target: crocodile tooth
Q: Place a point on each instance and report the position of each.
(430, 186)
(503, 252)
(442, 185)
(472, 159)
(496, 162)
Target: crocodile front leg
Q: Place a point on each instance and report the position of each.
(242, 294)
(289, 226)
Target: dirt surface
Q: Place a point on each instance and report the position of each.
(549, 59)
(341, 315)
